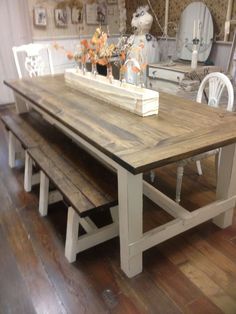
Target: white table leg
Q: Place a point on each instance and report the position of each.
(226, 183)
(130, 195)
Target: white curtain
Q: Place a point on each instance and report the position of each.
(15, 29)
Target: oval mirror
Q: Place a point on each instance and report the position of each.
(195, 23)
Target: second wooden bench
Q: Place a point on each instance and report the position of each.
(81, 181)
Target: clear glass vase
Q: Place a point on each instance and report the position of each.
(83, 68)
(94, 69)
(109, 72)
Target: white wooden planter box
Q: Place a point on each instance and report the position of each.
(142, 101)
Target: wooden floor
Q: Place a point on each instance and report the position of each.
(192, 273)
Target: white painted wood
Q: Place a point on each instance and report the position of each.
(99, 236)
(141, 101)
(177, 226)
(33, 63)
(43, 194)
(228, 18)
(54, 197)
(11, 150)
(216, 83)
(130, 202)
(72, 231)
(152, 176)
(170, 206)
(28, 172)
(226, 183)
(199, 167)
(114, 214)
(94, 235)
(88, 225)
(180, 173)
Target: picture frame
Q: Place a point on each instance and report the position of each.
(111, 1)
(61, 18)
(40, 17)
(102, 13)
(96, 13)
(77, 15)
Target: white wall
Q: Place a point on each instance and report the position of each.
(15, 30)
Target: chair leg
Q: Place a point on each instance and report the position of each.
(11, 150)
(180, 173)
(28, 173)
(152, 176)
(43, 194)
(199, 167)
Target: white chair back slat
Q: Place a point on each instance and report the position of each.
(33, 63)
(216, 82)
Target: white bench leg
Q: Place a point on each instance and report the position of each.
(28, 173)
(93, 236)
(11, 150)
(72, 231)
(43, 194)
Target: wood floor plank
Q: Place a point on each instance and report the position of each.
(69, 282)
(14, 298)
(202, 305)
(30, 265)
(140, 293)
(216, 294)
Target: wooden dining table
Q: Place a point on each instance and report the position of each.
(132, 145)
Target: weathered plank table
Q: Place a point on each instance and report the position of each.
(132, 145)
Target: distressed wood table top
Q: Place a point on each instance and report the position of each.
(183, 128)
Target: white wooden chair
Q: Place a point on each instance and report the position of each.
(35, 56)
(37, 61)
(215, 83)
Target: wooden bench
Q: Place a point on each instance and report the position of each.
(81, 181)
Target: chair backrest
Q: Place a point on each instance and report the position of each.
(33, 63)
(217, 82)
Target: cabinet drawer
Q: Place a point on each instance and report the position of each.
(165, 74)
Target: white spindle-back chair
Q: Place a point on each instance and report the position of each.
(214, 83)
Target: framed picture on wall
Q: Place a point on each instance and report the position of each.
(102, 13)
(40, 17)
(60, 17)
(96, 13)
(77, 15)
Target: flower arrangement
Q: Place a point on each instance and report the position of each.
(97, 50)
